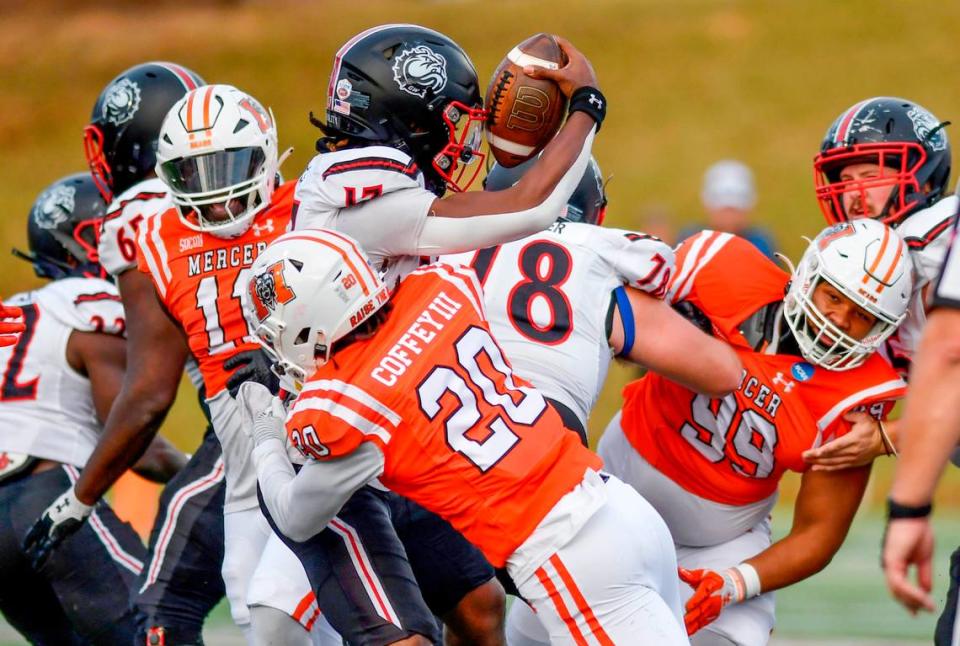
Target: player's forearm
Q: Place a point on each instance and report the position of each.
(132, 424)
(542, 192)
(930, 427)
(327, 485)
(794, 558)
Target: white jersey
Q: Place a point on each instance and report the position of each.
(125, 216)
(119, 231)
(46, 407)
(374, 194)
(946, 289)
(927, 234)
(548, 297)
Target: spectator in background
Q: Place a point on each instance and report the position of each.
(729, 196)
(930, 432)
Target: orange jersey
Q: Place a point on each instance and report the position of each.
(202, 280)
(460, 434)
(733, 450)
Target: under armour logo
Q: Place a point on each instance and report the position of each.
(259, 229)
(784, 382)
(62, 505)
(595, 100)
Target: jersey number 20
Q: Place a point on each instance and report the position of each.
(483, 445)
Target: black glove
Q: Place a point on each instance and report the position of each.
(61, 519)
(252, 365)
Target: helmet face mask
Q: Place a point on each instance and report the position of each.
(414, 89)
(120, 142)
(218, 156)
(863, 264)
(906, 143)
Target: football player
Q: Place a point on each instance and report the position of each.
(888, 158)
(59, 381)
(413, 389)
(404, 124)
(711, 466)
(217, 157)
(561, 303)
(182, 581)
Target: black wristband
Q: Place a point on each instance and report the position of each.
(590, 100)
(896, 511)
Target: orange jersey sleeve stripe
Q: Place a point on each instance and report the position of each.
(358, 394)
(893, 389)
(354, 418)
(149, 256)
(701, 257)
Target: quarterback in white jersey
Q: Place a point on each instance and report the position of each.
(898, 174)
(59, 381)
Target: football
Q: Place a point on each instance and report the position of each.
(524, 113)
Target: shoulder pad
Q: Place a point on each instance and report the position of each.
(118, 233)
(84, 304)
(344, 178)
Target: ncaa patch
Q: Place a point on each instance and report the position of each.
(802, 371)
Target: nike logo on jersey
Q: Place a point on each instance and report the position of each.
(224, 258)
(418, 335)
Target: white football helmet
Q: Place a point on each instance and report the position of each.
(217, 152)
(869, 264)
(309, 289)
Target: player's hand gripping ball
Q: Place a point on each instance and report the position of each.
(525, 113)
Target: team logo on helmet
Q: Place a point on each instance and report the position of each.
(121, 102)
(927, 128)
(420, 69)
(269, 288)
(54, 207)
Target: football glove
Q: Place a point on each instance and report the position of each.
(61, 519)
(712, 592)
(10, 330)
(262, 414)
(252, 365)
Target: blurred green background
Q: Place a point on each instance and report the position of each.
(688, 81)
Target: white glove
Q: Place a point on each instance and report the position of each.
(262, 413)
(61, 519)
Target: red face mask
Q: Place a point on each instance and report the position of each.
(899, 163)
(465, 130)
(99, 168)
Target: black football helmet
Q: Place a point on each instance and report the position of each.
(587, 204)
(416, 90)
(63, 229)
(120, 142)
(903, 138)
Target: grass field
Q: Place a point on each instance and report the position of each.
(688, 82)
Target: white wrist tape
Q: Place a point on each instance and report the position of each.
(751, 580)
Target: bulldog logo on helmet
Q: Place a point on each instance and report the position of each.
(121, 102)
(927, 128)
(420, 69)
(54, 206)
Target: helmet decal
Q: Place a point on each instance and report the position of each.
(420, 69)
(54, 206)
(269, 288)
(927, 128)
(121, 102)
